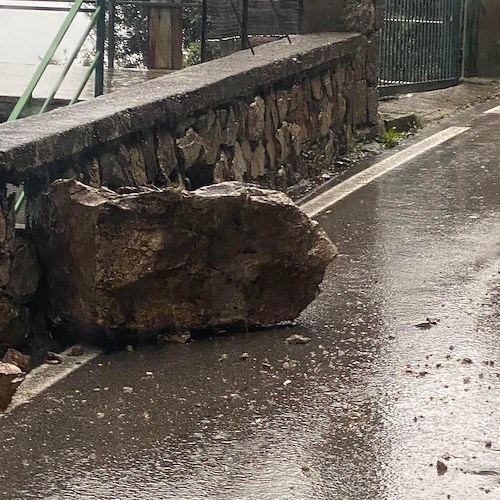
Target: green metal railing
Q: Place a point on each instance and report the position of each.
(97, 20)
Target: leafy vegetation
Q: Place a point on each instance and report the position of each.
(391, 138)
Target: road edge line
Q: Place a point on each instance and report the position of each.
(45, 376)
(335, 194)
(493, 111)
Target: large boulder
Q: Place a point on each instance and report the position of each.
(10, 378)
(151, 259)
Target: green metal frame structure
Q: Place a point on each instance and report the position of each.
(97, 20)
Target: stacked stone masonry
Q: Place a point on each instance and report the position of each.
(19, 278)
(275, 137)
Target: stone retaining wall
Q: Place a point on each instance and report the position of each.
(274, 118)
(19, 279)
(275, 136)
(240, 117)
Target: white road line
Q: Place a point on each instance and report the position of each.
(337, 193)
(45, 376)
(493, 111)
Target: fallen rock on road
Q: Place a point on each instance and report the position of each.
(10, 378)
(150, 259)
(22, 361)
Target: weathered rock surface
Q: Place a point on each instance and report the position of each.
(22, 361)
(224, 254)
(24, 272)
(10, 378)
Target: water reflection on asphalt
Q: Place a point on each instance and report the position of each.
(364, 411)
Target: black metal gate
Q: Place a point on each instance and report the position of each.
(421, 45)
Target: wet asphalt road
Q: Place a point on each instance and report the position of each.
(362, 412)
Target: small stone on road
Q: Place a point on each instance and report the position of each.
(298, 339)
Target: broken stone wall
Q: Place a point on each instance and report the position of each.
(19, 278)
(273, 119)
(275, 134)
(275, 137)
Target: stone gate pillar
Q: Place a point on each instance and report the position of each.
(360, 16)
(165, 37)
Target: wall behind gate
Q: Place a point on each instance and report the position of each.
(488, 53)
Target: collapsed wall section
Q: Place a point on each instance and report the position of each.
(272, 119)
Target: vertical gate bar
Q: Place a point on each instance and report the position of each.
(448, 17)
(389, 68)
(100, 40)
(436, 36)
(430, 28)
(459, 32)
(417, 40)
(433, 40)
(390, 46)
(204, 20)
(445, 53)
(410, 53)
(431, 34)
(412, 60)
(393, 46)
(451, 42)
(244, 24)
(440, 42)
(388, 42)
(420, 45)
(399, 35)
(388, 63)
(410, 30)
(404, 30)
(455, 30)
(423, 33)
(387, 36)
(422, 49)
(111, 34)
(408, 70)
(446, 23)
(381, 47)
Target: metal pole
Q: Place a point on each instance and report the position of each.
(111, 34)
(204, 21)
(101, 35)
(70, 61)
(244, 24)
